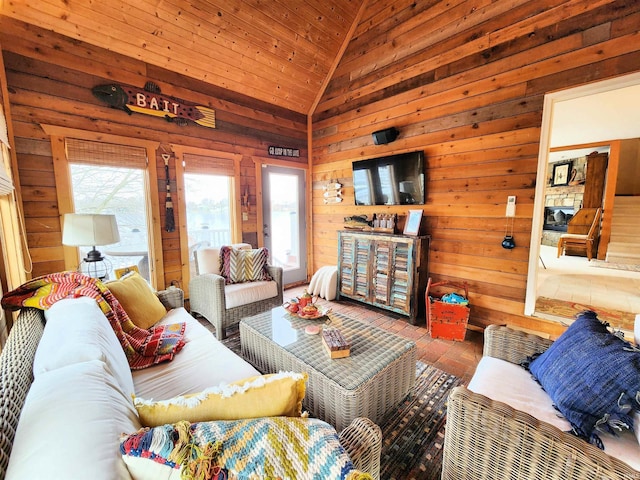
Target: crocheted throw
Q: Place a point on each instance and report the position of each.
(267, 448)
(143, 348)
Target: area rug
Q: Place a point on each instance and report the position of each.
(629, 267)
(413, 431)
(561, 308)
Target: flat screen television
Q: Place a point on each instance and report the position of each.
(391, 180)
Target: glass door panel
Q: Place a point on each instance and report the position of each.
(284, 220)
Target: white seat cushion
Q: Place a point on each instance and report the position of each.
(77, 331)
(70, 426)
(202, 363)
(508, 383)
(239, 294)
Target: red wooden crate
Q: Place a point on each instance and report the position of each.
(447, 320)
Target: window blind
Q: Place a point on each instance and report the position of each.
(106, 154)
(208, 165)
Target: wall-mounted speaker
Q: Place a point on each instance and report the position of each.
(387, 135)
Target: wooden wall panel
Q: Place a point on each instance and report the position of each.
(50, 79)
(464, 82)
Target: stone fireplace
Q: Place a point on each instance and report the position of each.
(560, 204)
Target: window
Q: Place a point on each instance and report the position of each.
(111, 179)
(208, 198)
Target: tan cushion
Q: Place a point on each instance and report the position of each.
(272, 395)
(138, 300)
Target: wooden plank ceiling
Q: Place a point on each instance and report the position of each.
(277, 51)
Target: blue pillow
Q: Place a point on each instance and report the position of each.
(592, 376)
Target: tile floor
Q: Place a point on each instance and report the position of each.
(458, 358)
(575, 279)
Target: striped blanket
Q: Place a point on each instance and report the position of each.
(143, 348)
(284, 448)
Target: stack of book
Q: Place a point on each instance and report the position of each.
(335, 343)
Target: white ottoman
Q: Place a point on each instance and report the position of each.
(324, 283)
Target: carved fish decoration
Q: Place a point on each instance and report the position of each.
(150, 101)
(357, 222)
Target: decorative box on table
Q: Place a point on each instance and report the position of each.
(447, 320)
(335, 343)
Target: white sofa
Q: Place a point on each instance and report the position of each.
(224, 305)
(66, 392)
(504, 425)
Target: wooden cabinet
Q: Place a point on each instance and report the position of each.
(595, 180)
(384, 270)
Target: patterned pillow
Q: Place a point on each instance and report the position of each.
(592, 376)
(238, 266)
(276, 447)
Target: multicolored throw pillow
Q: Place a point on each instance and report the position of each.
(276, 447)
(592, 376)
(240, 265)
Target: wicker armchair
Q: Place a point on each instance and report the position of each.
(487, 439)
(207, 298)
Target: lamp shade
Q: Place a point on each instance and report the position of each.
(88, 230)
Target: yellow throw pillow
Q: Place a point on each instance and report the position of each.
(274, 395)
(138, 300)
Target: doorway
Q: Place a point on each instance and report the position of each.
(608, 111)
(284, 232)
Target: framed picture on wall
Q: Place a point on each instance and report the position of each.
(560, 174)
(412, 226)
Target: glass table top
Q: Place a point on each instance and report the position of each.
(372, 348)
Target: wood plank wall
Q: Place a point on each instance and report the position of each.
(464, 81)
(50, 79)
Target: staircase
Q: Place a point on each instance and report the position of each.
(624, 245)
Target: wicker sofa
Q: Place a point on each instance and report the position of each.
(225, 305)
(64, 449)
(486, 438)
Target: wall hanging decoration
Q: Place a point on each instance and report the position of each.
(332, 192)
(561, 174)
(149, 101)
(169, 222)
(283, 151)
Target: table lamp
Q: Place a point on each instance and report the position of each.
(91, 230)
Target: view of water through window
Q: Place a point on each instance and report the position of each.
(208, 206)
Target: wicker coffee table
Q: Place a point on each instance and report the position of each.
(376, 376)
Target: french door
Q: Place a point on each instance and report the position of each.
(284, 213)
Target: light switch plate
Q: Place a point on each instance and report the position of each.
(511, 206)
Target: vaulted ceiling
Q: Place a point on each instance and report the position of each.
(279, 51)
